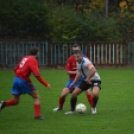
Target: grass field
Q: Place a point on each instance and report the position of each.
(115, 107)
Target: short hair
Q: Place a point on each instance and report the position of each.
(34, 51)
(76, 45)
(78, 52)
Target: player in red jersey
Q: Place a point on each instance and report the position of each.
(71, 70)
(22, 83)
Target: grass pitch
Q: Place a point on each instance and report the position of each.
(115, 107)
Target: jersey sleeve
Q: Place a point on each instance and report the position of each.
(41, 80)
(68, 66)
(89, 64)
(79, 70)
(34, 68)
(16, 68)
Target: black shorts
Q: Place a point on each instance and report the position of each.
(84, 86)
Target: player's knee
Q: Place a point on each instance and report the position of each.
(95, 94)
(74, 95)
(38, 97)
(87, 92)
(62, 96)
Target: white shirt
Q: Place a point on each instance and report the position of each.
(84, 69)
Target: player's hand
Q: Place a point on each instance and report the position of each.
(71, 86)
(49, 86)
(88, 82)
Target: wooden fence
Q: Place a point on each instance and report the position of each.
(53, 54)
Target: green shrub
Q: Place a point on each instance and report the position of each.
(23, 18)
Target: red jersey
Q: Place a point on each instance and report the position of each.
(71, 66)
(27, 65)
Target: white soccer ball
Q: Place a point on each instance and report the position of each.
(81, 108)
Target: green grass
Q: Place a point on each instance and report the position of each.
(115, 107)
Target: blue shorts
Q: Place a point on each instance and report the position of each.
(21, 87)
(69, 83)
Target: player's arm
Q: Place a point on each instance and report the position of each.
(16, 68)
(35, 71)
(41, 80)
(76, 78)
(71, 72)
(68, 68)
(92, 72)
(78, 75)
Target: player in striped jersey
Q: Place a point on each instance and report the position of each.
(71, 70)
(91, 80)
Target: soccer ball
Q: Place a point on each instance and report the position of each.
(81, 108)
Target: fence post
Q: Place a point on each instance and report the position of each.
(88, 50)
(124, 56)
(2, 55)
(11, 54)
(49, 54)
(14, 54)
(55, 53)
(6, 54)
(129, 58)
(107, 54)
(43, 54)
(132, 54)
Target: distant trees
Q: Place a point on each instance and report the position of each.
(67, 20)
(23, 18)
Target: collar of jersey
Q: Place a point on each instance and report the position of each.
(31, 56)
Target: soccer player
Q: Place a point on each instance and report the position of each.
(91, 80)
(71, 70)
(23, 85)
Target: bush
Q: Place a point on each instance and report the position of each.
(70, 26)
(23, 18)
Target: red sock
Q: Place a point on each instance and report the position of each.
(61, 102)
(90, 99)
(10, 103)
(37, 110)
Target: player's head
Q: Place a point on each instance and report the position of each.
(35, 51)
(78, 55)
(76, 47)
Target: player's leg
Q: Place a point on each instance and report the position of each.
(89, 97)
(82, 86)
(15, 92)
(37, 106)
(11, 102)
(95, 89)
(65, 92)
(95, 95)
(62, 98)
(73, 100)
(14, 101)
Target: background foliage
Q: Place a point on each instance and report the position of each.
(22, 18)
(67, 20)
